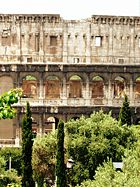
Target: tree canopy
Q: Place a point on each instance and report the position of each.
(91, 141)
(106, 175)
(43, 158)
(6, 103)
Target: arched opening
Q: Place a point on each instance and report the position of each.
(97, 87)
(6, 83)
(119, 87)
(29, 86)
(51, 124)
(52, 87)
(137, 88)
(75, 87)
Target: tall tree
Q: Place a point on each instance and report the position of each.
(125, 112)
(27, 143)
(43, 158)
(60, 165)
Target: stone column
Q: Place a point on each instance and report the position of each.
(88, 48)
(40, 125)
(110, 93)
(131, 93)
(87, 93)
(64, 91)
(41, 87)
(65, 45)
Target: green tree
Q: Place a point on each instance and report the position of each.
(27, 143)
(43, 158)
(91, 141)
(106, 175)
(15, 154)
(125, 112)
(60, 165)
(6, 102)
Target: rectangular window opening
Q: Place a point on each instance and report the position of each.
(53, 40)
(98, 41)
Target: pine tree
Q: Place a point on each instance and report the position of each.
(27, 143)
(125, 112)
(60, 165)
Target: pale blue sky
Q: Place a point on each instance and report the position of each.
(72, 9)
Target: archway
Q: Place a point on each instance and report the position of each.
(75, 87)
(52, 87)
(51, 124)
(97, 87)
(29, 86)
(119, 87)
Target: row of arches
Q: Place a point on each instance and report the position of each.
(53, 86)
(75, 84)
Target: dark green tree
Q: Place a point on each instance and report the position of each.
(125, 112)
(60, 165)
(27, 143)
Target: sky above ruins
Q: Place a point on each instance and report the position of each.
(72, 9)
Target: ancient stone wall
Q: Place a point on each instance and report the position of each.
(67, 68)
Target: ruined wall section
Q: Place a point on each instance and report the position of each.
(48, 38)
(9, 38)
(119, 39)
(31, 38)
(77, 41)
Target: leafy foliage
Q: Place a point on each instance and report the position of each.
(106, 175)
(60, 166)
(10, 177)
(43, 158)
(6, 102)
(15, 154)
(2, 164)
(27, 142)
(91, 141)
(125, 113)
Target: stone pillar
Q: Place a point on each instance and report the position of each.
(105, 91)
(110, 93)
(88, 48)
(65, 46)
(41, 43)
(40, 125)
(64, 91)
(131, 93)
(87, 93)
(41, 87)
(19, 43)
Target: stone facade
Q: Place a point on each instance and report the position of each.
(67, 68)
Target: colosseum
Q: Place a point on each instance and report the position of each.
(67, 68)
